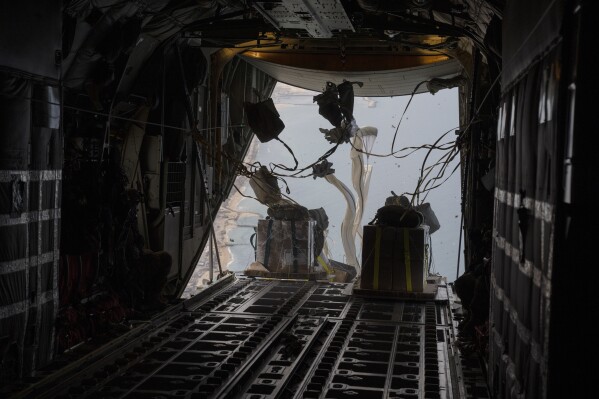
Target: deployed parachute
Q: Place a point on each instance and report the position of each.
(368, 136)
(347, 236)
(336, 104)
(264, 120)
(265, 187)
(361, 171)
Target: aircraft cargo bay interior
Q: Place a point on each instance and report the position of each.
(296, 199)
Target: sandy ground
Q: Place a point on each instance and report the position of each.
(225, 221)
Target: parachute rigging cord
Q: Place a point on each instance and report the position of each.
(275, 166)
(345, 129)
(248, 169)
(361, 172)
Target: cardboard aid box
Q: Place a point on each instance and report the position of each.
(285, 246)
(394, 258)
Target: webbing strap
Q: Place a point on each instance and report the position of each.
(324, 265)
(377, 257)
(267, 247)
(406, 244)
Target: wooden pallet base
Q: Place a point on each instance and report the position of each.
(287, 276)
(429, 293)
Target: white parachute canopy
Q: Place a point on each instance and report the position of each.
(368, 136)
(347, 237)
(363, 141)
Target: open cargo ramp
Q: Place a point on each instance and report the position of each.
(249, 338)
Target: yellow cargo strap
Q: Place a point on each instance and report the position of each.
(377, 256)
(406, 251)
(324, 265)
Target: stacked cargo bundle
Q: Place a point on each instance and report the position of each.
(286, 246)
(395, 258)
(395, 250)
(291, 238)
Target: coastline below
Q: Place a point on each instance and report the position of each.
(226, 220)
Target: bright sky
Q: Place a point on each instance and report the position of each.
(426, 119)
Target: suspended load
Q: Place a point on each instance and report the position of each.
(286, 246)
(286, 242)
(337, 102)
(430, 218)
(328, 105)
(395, 249)
(345, 92)
(426, 212)
(336, 135)
(265, 187)
(264, 120)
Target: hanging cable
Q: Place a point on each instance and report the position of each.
(280, 166)
(404, 113)
(457, 273)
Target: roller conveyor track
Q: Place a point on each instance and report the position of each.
(258, 339)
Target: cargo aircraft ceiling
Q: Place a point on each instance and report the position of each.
(386, 67)
(390, 46)
(391, 82)
(385, 71)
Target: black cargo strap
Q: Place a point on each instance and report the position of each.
(294, 246)
(280, 166)
(267, 247)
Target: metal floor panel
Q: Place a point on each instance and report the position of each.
(258, 339)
